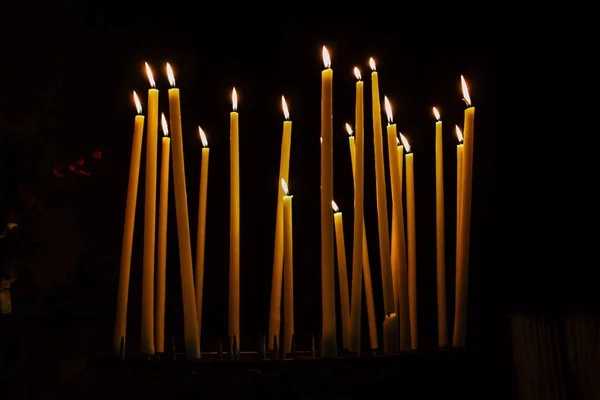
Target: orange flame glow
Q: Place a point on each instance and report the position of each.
(170, 75)
(285, 187)
(388, 110)
(165, 127)
(326, 58)
(372, 64)
(465, 90)
(286, 112)
(405, 143)
(436, 113)
(335, 207)
(349, 129)
(234, 99)
(203, 137)
(357, 73)
(459, 134)
(150, 76)
(138, 105)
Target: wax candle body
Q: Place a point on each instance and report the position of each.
(201, 238)
(382, 212)
(459, 165)
(190, 324)
(440, 241)
(329, 345)
(147, 344)
(161, 257)
(234, 229)
(460, 317)
(412, 250)
(403, 302)
(397, 206)
(343, 278)
(366, 272)
(276, 284)
(288, 275)
(130, 205)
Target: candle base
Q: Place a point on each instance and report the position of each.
(391, 334)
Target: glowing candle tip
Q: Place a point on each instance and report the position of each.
(349, 129)
(286, 111)
(405, 143)
(335, 207)
(326, 58)
(150, 76)
(136, 100)
(388, 110)
(165, 127)
(234, 99)
(170, 75)
(285, 187)
(357, 73)
(203, 137)
(465, 90)
(459, 134)
(436, 114)
(372, 64)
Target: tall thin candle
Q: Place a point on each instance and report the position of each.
(234, 222)
(342, 274)
(130, 205)
(403, 301)
(190, 323)
(459, 165)
(289, 270)
(161, 256)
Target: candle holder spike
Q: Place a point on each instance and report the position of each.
(275, 351)
(236, 350)
(230, 354)
(122, 348)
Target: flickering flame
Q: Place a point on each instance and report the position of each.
(459, 134)
(397, 141)
(335, 207)
(284, 186)
(165, 127)
(170, 75)
(357, 73)
(465, 90)
(286, 112)
(203, 137)
(326, 58)
(436, 113)
(405, 143)
(138, 105)
(372, 64)
(234, 99)
(349, 129)
(321, 139)
(388, 110)
(150, 77)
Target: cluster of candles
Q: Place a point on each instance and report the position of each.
(397, 252)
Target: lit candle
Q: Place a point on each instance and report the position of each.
(329, 345)
(147, 344)
(366, 271)
(459, 164)
(412, 244)
(382, 215)
(343, 274)
(439, 212)
(462, 271)
(403, 301)
(234, 222)
(190, 324)
(201, 229)
(288, 306)
(132, 187)
(161, 256)
(284, 167)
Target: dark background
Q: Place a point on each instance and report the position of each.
(68, 75)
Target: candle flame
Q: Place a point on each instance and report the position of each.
(335, 207)
(138, 105)
(150, 76)
(405, 143)
(286, 112)
(170, 75)
(234, 99)
(321, 139)
(436, 113)
(388, 110)
(285, 187)
(397, 141)
(372, 64)
(459, 134)
(357, 73)
(349, 129)
(465, 90)
(326, 58)
(203, 137)
(165, 127)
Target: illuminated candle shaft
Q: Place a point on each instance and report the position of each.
(329, 345)
(161, 256)
(460, 318)
(276, 284)
(234, 230)
(147, 344)
(440, 240)
(343, 278)
(132, 188)
(201, 240)
(412, 250)
(459, 165)
(403, 302)
(190, 324)
(288, 275)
